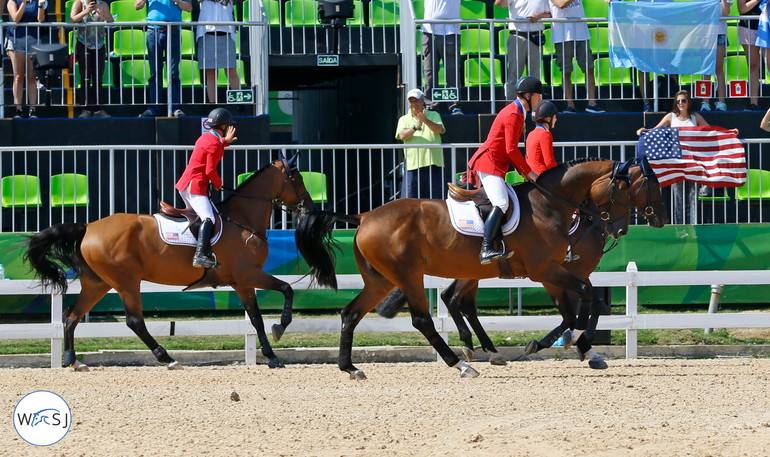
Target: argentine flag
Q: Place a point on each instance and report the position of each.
(665, 37)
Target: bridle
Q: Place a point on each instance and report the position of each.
(649, 175)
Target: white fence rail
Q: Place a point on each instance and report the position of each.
(631, 322)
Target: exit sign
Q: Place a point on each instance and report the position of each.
(240, 96)
(329, 61)
(450, 94)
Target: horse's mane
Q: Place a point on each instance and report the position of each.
(562, 167)
(253, 176)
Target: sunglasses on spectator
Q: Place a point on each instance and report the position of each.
(682, 100)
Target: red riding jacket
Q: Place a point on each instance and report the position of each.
(502, 145)
(540, 150)
(202, 167)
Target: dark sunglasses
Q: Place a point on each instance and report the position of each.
(682, 100)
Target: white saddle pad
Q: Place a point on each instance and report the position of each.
(175, 231)
(466, 219)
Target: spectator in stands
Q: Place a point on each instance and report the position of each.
(571, 40)
(216, 45)
(90, 53)
(441, 43)
(747, 35)
(540, 155)
(423, 173)
(157, 39)
(764, 124)
(18, 42)
(720, 69)
(525, 42)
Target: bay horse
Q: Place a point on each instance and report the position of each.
(398, 243)
(587, 242)
(119, 251)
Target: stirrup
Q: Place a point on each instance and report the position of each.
(206, 262)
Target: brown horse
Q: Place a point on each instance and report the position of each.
(588, 244)
(396, 244)
(121, 250)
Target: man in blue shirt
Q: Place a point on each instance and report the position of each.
(157, 36)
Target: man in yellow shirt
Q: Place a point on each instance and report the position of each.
(423, 174)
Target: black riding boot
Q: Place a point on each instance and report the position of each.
(202, 257)
(491, 229)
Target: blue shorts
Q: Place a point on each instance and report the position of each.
(722, 40)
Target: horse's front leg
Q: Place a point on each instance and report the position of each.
(452, 297)
(469, 309)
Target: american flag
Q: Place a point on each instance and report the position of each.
(707, 155)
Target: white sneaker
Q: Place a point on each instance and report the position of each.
(721, 106)
(705, 106)
(179, 113)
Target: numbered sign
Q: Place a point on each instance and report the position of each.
(704, 89)
(446, 94)
(738, 88)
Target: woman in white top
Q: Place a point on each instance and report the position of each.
(681, 114)
(216, 45)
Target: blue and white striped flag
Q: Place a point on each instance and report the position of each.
(763, 31)
(665, 37)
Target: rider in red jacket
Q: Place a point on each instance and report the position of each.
(540, 155)
(492, 160)
(202, 169)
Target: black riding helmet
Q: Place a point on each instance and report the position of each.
(220, 118)
(545, 109)
(529, 85)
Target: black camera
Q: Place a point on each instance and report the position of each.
(335, 9)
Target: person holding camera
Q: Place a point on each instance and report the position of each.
(193, 185)
(91, 53)
(216, 45)
(18, 42)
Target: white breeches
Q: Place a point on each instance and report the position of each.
(200, 203)
(496, 190)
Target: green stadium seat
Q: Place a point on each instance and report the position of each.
(548, 48)
(134, 73)
(69, 189)
(513, 178)
(68, 10)
(186, 16)
(129, 43)
(500, 13)
(107, 79)
(20, 191)
(222, 74)
(358, 14)
(599, 41)
(595, 8)
(315, 183)
(124, 11)
(736, 67)
(475, 41)
(606, 75)
(419, 8)
(71, 41)
(280, 111)
(757, 186)
(189, 74)
(733, 45)
(301, 13)
(187, 37)
(244, 176)
(477, 72)
(383, 13)
(473, 9)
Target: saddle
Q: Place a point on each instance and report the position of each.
(192, 218)
(478, 197)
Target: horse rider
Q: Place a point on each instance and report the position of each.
(202, 170)
(492, 160)
(540, 156)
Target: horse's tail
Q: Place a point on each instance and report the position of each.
(392, 304)
(53, 252)
(316, 244)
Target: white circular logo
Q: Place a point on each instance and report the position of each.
(42, 418)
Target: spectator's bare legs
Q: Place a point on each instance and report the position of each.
(644, 87)
(17, 62)
(233, 80)
(211, 84)
(753, 56)
(566, 82)
(591, 82)
(31, 83)
(720, 76)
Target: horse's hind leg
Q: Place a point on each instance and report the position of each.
(248, 297)
(132, 302)
(453, 297)
(470, 311)
(92, 290)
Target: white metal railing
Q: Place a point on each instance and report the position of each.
(360, 177)
(631, 322)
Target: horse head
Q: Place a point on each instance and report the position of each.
(611, 194)
(296, 196)
(646, 195)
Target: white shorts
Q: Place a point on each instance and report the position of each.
(496, 190)
(747, 36)
(200, 203)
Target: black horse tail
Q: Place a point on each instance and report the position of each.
(316, 244)
(392, 304)
(53, 252)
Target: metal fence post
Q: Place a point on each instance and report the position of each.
(57, 330)
(631, 311)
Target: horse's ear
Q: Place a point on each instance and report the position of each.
(292, 162)
(281, 157)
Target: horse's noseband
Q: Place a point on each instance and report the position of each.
(295, 179)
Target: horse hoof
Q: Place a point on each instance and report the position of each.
(468, 353)
(567, 337)
(357, 375)
(278, 330)
(498, 360)
(530, 348)
(275, 363)
(597, 363)
(175, 366)
(81, 367)
(466, 371)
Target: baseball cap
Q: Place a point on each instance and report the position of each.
(416, 93)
